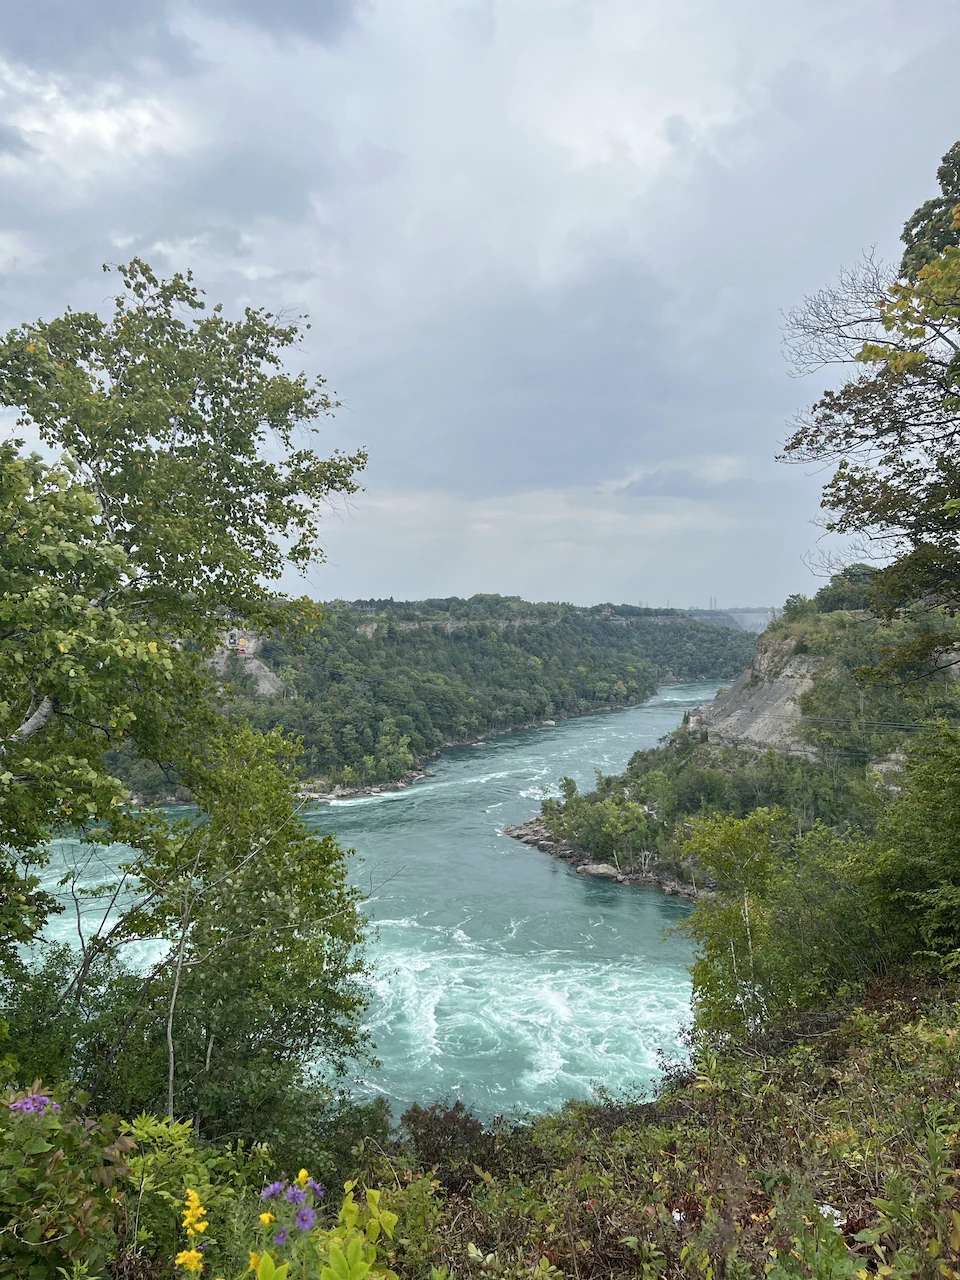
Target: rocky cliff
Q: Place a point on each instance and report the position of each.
(762, 710)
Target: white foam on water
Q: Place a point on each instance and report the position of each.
(499, 976)
(463, 1016)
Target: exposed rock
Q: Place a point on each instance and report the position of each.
(602, 871)
(246, 645)
(537, 835)
(762, 710)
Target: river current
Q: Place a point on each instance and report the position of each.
(501, 976)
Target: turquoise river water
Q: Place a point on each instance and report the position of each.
(502, 977)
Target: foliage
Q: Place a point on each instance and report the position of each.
(932, 228)
(259, 975)
(891, 429)
(58, 1172)
(801, 921)
(214, 956)
(166, 1159)
(159, 522)
(288, 1237)
(826, 1150)
(847, 589)
(375, 697)
(448, 1137)
(640, 818)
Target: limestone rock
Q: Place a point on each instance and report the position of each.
(600, 870)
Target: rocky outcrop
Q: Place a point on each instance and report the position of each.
(761, 712)
(246, 645)
(538, 835)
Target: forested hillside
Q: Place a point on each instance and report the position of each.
(371, 696)
(847, 727)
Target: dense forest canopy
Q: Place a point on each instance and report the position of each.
(372, 697)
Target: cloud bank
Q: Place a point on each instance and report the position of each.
(544, 245)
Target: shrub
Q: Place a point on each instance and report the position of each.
(58, 1172)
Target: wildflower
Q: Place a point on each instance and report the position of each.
(34, 1103)
(296, 1195)
(318, 1189)
(303, 1178)
(273, 1189)
(194, 1215)
(305, 1218)
(190, 1259)
(830, 1213)
(254, 1261)
(281, 1236)
(266, 1219)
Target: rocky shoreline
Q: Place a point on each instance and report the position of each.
(535, 833)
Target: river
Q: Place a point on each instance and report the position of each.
(501, 976)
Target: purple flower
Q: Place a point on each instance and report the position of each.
(281, 1236)
(273, 1189)
(317, 1188)
(37, 1103)
(296, 1195)
(305, 1218)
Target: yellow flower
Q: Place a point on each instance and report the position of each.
(266, 1219)
(190, 1259)
(254, 1261)
(194, 1215)
(303, 1177)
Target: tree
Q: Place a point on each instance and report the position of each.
(893, 428)
(184, 484)
(847, 589)
(932, 227)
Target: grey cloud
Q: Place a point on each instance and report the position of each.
(678, 483)
(97, 37)
(12, 141)
(656, 339)
(90, 37)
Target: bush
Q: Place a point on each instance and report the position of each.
(57, 1174)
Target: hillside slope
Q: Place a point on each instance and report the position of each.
(800, 730)
(762, 710)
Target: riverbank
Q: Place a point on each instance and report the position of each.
(535, 833)
(321, 792)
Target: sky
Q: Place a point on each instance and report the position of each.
(545, 246)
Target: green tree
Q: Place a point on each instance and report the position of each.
(183, 485)
(892, 428)
(847, 589)
(160, 523)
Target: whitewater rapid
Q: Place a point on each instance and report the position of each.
(500, 976)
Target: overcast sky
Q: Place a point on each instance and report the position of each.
(545, 245)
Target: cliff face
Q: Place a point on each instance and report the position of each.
(761, 711)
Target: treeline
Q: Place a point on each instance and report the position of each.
(483, 607)
(368, 699)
